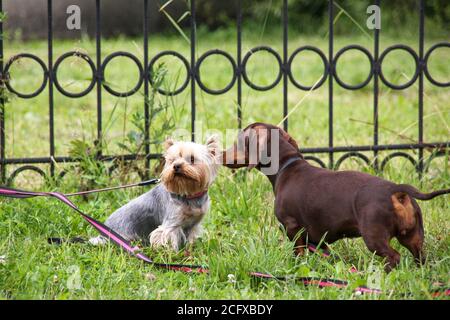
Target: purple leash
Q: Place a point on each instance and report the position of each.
(101, 228)
(137, 252)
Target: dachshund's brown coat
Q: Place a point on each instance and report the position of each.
(330, 205)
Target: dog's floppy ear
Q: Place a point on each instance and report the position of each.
(257, 144)
(288, 138)
(168, 143)
(212, 144)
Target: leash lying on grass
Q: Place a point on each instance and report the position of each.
(136, 251)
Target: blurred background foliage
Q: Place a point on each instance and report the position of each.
(28, 18)
(310, 17)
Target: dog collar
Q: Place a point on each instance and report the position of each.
(288, 163)
(194, 196)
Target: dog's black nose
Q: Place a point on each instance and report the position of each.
(177, 167)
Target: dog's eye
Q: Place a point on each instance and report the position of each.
(192, 159)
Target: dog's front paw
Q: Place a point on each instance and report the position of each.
(195, 233)
(157, 238)
(98, 241)
(167, 237)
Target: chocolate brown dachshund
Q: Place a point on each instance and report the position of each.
(331, 205)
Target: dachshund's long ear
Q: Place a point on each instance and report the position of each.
(257, 145)
(288, 138)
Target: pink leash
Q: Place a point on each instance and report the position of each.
(137, 252)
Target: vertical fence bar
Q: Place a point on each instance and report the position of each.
(2, 104)
(50, 85)
(239, 63)
(98, 35)
(146, 93)
(330, 80)
(193, 40)
(376, 53)
(421, 67)
(285, 64)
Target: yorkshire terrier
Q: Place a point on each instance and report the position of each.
(170, 214)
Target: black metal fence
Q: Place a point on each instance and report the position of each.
(240, 77)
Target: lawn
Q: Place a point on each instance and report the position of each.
(241, 231)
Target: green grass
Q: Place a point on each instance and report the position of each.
(241, 231)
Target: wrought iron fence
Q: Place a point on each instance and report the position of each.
(240, 77)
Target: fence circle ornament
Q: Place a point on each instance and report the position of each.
(325, 67)
(149, 74)
(427, 57)
(91, 64)
(138, 64)
(316, 160)
(416, 61)
(351, 155)
(340, 53)
(197, 71)
(399, 154)
(16, 172)
(434, 155)
(34, 58)
(244, 68)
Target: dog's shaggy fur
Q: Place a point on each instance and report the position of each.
(329, 205)
(170, 214)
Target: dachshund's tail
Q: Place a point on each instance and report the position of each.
(413, 192)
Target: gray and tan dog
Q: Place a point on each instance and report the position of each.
(170, 214)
